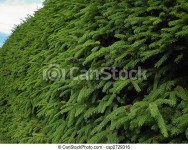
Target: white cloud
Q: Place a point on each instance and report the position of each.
(12, 13)
(21, 1)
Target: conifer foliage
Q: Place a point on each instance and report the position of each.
(92, 34)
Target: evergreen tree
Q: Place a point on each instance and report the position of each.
(91, 34)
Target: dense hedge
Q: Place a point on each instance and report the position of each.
(92, 34)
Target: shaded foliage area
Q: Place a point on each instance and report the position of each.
(94, 34)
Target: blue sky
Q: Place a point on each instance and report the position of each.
(12, 12)
(3, 37)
